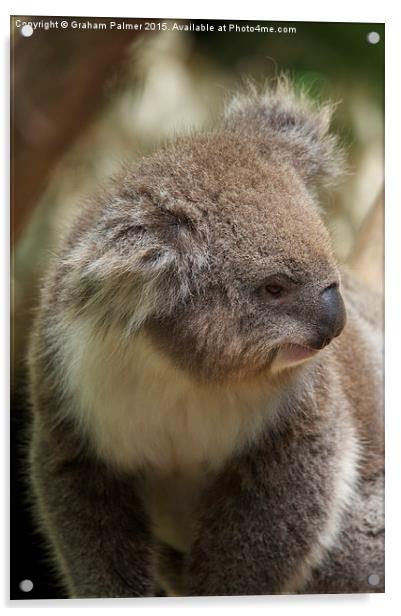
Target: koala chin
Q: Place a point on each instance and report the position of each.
(206, 382)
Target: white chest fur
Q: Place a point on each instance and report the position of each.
(140, 412)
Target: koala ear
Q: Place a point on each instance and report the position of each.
(130, 251)
(146, 261)
(292, 126)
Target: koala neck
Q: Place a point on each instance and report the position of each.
(140, 411)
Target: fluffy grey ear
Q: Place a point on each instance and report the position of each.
(140, 258)
(290, 125)
(121, 282)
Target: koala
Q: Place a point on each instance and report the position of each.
(205, 380)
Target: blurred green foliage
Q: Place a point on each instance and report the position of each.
(317, 53)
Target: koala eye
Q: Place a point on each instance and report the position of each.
(273, 289)
(276, 286)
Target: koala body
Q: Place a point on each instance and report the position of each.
(206, 385)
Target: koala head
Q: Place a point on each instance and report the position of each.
(214, 246)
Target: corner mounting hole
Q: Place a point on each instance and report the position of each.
(373, 38)
(373, 579)
(26, 585)
(26, 30)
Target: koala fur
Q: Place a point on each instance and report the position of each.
(192, 427)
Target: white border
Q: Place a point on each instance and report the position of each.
(307, 10)
(341, 10)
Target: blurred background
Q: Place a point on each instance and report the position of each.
(86, 99)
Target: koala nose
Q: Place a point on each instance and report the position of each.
(331, 316)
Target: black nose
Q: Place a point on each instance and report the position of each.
(331, 316)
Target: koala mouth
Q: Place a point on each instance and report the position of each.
(289, 355)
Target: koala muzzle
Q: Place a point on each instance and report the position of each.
(331, 316)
